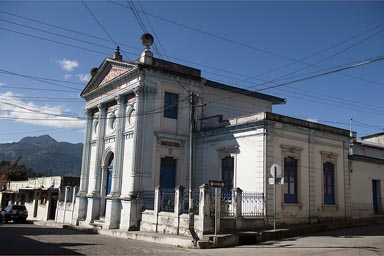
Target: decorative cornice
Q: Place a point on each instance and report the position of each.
(110, 139)
(330, 155)
(291, 149)
(143, 90)
(128, 135)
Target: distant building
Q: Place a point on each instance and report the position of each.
(39, 195)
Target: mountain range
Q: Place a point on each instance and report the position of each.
(45, 155)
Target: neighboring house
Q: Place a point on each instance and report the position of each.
(136, 159)
(367, 175)
(313, 159)
(39, 195)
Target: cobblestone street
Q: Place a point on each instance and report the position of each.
(29, 239)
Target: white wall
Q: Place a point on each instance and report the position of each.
(362, 174)
(231, 105)
(247, 150)
(308, 146)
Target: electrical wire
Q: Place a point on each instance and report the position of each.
(102, 27)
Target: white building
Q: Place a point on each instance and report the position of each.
(137, 131)
(39, 195)
(313, 158)
(137, 140)
(367, 175)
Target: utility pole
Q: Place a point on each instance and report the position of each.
(191, 157)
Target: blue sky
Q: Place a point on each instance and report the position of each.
(48, 47)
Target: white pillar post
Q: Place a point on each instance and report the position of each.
(138, 145)
(100, 147)
(119, 150)
(85, 158)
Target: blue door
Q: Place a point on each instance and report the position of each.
(109, 176)
(168, 183)
(376, 191)
(168, 173)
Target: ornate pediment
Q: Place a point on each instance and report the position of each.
(110, 70)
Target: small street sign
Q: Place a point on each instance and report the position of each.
(216, 183)
(276, 170)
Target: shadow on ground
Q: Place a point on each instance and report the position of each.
(16, 240)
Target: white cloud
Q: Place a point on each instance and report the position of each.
(67, 76)
(84, 77)
(314, 120)
(14, 108)
(68, 65)
(2, 84)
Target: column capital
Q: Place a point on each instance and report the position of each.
(102, 106)
(88, 112)
(120, 99)
(143, 90)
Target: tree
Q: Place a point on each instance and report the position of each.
(17, 171)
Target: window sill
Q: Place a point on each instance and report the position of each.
(296, 205)
(330, 206)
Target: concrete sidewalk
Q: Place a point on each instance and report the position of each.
(223, 240)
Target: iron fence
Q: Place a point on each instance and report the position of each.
(167, 200)
(252, 204)
(148, 199)
(226, 204)
(185, 201)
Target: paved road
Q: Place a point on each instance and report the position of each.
(22, 239)
(364, 241)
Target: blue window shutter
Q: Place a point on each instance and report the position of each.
(290, 180)
(329, 183)
(171, 104)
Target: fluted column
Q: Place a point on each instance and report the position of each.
(85, 158)
(137, 142)
(119, 151)
(100, 146)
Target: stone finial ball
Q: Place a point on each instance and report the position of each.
(93, 71)
(147, 39)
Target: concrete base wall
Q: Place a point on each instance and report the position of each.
(64, 213)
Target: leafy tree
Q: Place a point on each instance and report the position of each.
(17, 171)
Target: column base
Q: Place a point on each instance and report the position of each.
(93, 209)
(130, 215)
(112, 213)
(80, 210)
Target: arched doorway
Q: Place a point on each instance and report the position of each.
(106, 182)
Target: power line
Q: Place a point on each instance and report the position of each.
(225, 71)
(362, 63)
(56, 34)
(141, 23)
(101, 25)
(39, 79)
(324, 59)
(35, 89)
(65, 29)
(153, 30)
(208, 33)
(54, 41)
